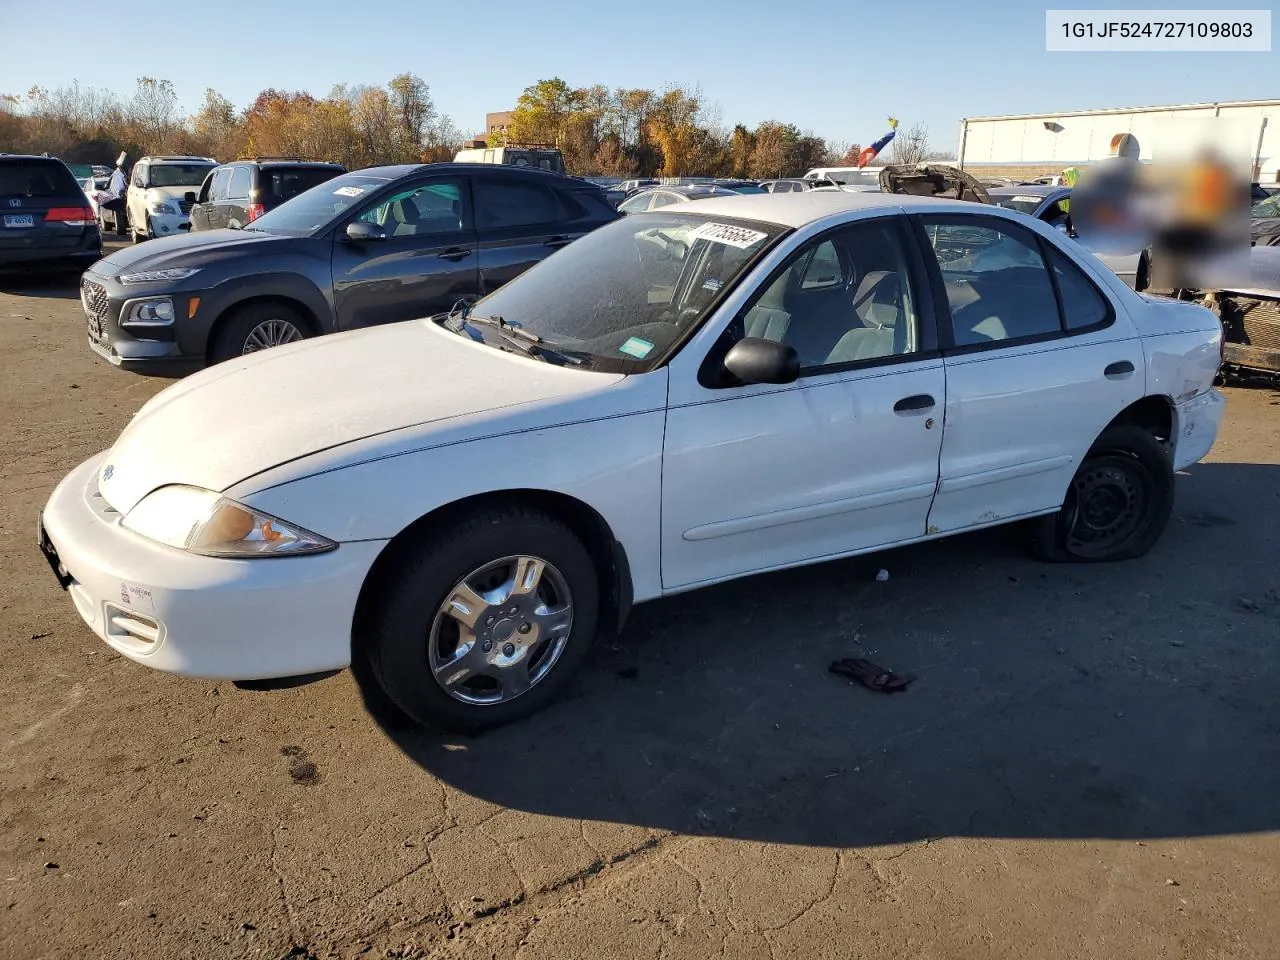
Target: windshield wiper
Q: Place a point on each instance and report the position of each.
(524, 340)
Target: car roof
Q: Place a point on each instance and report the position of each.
(30, 156)
(801, 209)
(396, 171)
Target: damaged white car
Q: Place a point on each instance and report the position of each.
(682, 397)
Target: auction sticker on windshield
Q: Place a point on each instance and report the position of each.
(348, 191)
(635, 347)
(740, 237)
(1027, 199)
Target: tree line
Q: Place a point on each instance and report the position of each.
(602, 132)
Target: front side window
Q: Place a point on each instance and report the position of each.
(844, 299)
(420, 210)
(505, 204)
(663, 199)
(218, 185)
(640, 284)
(997, 285)
(636, 204)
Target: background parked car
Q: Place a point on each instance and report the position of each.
(365, 248)
(655, 197)
(739, 186)
(1265, 226)
(45, 218)
(795, 185)
(161, 193)
(1046, 203)
(238, 193)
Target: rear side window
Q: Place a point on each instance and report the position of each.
(239, 187)
(568, 207)
(1083, 305)
(36, 178)
(278, 184)
(506, 204)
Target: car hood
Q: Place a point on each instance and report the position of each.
(186, 250)
(232, 421)
(932, 180)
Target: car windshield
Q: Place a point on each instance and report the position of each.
(854, 178)
(1023, 203)
(314, 209)
(178, 174)
(623, 295)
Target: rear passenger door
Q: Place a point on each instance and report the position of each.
(424, 262)
(1038, 361)
(518, 224)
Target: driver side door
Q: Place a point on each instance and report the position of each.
(425, 261)
(843, 460)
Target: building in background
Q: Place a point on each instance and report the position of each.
(498, 122)
(1030, 145)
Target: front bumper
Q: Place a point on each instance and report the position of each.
(1198, 420)
(200, 616)
(167, 351)
(168, 224)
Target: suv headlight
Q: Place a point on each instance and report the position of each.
(158, 276)
(207, 523)
(165, 207)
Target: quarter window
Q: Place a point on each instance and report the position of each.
(841, 300)
(1083, 305)
(502, 205)
(997, 286)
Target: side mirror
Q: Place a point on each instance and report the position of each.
(360, 232)
(753, 360)
(189, 197)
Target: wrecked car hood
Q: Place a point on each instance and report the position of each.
(932, 180)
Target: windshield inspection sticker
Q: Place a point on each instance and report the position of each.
(348, 191)
(635, 347)
(1027, 199)
(740, 237)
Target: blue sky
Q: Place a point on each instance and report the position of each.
(838, 72)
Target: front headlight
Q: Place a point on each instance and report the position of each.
(164, 207)
(203, 522)
(159, 276)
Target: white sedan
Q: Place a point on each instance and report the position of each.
(680, 398)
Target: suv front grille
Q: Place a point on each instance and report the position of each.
(95, 300)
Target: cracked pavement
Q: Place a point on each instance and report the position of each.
(1087, 766)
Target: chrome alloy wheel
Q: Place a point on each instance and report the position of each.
(270, 333)
(500, 630)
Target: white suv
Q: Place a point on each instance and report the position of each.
(161, 192)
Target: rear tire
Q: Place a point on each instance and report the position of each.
(255, 327)
(1118, 504)
(514, 663)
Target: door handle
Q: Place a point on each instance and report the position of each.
(920, 401)
(455, 253)
(557, 242)
(1121, 368)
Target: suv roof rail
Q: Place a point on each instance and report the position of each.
(294, 159)
(179, 157)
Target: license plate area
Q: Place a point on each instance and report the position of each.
(19, 220)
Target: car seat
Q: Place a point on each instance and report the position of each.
(878, 303)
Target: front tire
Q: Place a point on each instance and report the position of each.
(257, 326)
(1118, 504)
(485, 621)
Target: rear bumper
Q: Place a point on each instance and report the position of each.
(200, 616)
(74, 258)
(1198, 420)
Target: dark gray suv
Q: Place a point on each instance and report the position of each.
(369, 247)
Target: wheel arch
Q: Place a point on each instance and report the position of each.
(224, 316)
(1154, 414)
(585, 521)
